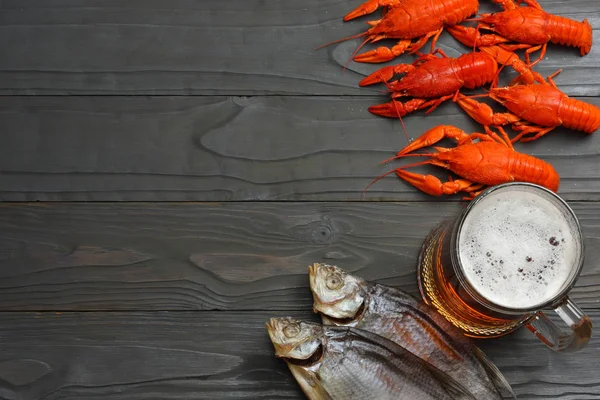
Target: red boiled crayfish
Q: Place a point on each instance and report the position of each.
(407, 20)
(535, 109)
(501, 55)
(440, 78)
(490, 161)
(529, 28)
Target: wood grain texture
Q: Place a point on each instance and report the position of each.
(231, 256)
(236, 148)
(222, 355)
(209, 47)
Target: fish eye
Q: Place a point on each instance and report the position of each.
(334, 281)
(291, 331)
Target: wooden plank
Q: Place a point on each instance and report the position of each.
(140, 356)
(203, 355)
(235, 148)
(217, 47)
(231, 256)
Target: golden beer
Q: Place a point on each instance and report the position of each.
(441, 288)
(515, 250)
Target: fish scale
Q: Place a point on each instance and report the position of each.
(364, 366)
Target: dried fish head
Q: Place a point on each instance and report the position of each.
(301, 345)
(336, 293)
(293, 338)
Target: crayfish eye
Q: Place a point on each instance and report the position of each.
(334, 281)
(291, 331)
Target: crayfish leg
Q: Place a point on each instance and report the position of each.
(536, 131)
(513, 4)
(531, 3)
(413, 48)
(509, 58)
(436, 103)
(476, 135)
(551, 78)
(504, 139)
(475, 191)
(534, 49)
(506, 4)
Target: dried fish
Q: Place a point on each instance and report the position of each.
(331, 362)
(347, 300)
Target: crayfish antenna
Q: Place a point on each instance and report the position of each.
(354, 53)
(396, 157)
(395, 169)
(343, 40)
(477, 96)
(401, 121)
(388, 85)
(496, 78)
(376, 180)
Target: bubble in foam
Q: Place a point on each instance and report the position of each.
(505, 233)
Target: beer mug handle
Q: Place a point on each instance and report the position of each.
(557, 338)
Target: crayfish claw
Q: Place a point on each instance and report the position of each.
(480, 112)
(368, 7)
(393, 109)
(471, 37)
(383, 54)
(385, 74)
(433, 186)
(396, 109)
(380, 54)
(426, 183)
(381, 75)
(433, 136)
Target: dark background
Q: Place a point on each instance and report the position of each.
(169, 169)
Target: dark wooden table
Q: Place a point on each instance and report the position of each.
(169, 169)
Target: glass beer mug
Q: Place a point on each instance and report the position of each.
(515, 250)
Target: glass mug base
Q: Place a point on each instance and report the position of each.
(429, 279)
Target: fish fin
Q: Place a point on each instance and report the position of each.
(497, 378)
(454, 388)
(309, 383)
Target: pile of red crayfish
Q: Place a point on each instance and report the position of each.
(535, 105)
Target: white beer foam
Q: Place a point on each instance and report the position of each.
(518, 249)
